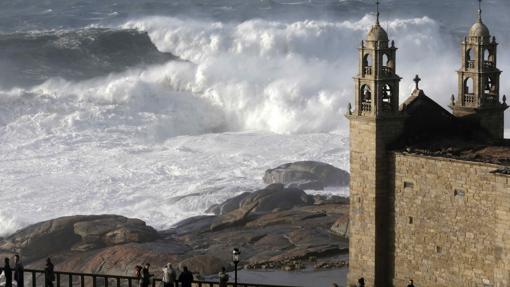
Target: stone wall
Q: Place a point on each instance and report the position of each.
(452, 222)
(371, 198)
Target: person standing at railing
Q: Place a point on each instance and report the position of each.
(7, 272)
(138, 274)
(223, 275)
(186, 277)
(18, 271)
(169, 276)
(146, 276)
(49, 273)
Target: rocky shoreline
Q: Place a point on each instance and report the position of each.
(279, 227)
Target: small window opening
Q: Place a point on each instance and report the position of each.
(408, 184)
(459, 193)
(410, 220)
(438, 249)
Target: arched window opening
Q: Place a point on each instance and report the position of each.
(366, 98)
(366, 94)
(488, 59)
(367, 64)
(387, 64)
(387, 97)
(486, 54)
(468, 86)
(470, 63)
(469, 96)
(489, 86)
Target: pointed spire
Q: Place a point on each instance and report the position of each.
(480, 11)
(377, 14)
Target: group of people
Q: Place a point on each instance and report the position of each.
(7, 273)
(172, 277)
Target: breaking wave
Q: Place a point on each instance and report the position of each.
(30, 58)
(255, 75)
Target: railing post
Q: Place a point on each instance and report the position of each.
(118, 282)
(58, 279)
(34, 279)
(130, 283)
(70, 280)
(106, 281)
(82, 281)
(94, 284)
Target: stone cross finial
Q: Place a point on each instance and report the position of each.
(417, 81)
(504, 99)
(377, 15)
(349, 109)
(453, 100)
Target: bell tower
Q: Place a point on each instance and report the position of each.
(375, 122)
(479, 81)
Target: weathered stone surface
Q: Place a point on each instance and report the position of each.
(276, 197)
(273, 197)
(229, 205)
(233, 218)
(78, 233)
(307, 175)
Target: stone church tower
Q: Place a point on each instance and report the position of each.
(429, 189)
(375, 122)
(478, 97)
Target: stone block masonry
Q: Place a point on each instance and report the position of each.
(452, 222)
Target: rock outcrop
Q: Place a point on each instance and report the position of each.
(307, 175)
(275, 227)
(274, 197)
(79, 233)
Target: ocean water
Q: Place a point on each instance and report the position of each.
(158, 109)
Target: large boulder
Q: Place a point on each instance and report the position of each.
(274, 197)
(228, 205)
(78, 233)
(307, 175)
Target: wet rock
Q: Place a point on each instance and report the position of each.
(78, 233)
(307, 175)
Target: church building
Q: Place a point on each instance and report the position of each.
(430, 188)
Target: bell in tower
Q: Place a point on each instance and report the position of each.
(479, 80)
(377, 84)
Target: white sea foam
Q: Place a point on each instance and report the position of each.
(165, 142)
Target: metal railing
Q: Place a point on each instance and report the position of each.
(36, 278)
